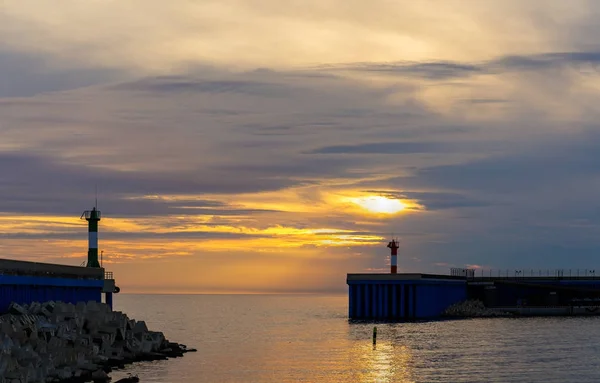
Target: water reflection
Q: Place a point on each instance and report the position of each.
(387, 361)
(281, 339)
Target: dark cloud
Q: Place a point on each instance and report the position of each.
(551, 163)
(431, 70)
(25, 75)
(485, 101)
(107, 234)
(443, 70)
(297, 166)
(37, 185)
(177, 84)
(544, 61)
(384, 148)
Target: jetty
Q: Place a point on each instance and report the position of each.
(468, 292)
(56, 341)
(56, 327)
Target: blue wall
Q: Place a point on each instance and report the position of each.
(509, 295)
(27, 289)
(403, 299)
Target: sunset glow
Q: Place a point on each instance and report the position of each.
(254, 146)
(378, 204)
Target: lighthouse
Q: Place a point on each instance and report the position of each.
(109, 287)
(393, 245)
(93, 217)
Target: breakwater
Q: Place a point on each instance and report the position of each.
(473, 309)
(65, 342)
(429, 296)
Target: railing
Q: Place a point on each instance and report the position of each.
(108, 275)
(532, 273)
(25, 268)
(462, 272)
(88, 214)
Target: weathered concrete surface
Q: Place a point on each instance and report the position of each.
(55, 341)
(472, 309)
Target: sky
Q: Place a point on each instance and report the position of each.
(262, 146)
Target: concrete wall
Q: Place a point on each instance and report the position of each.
(535, 292)
(13, 267)
(27, 289)
(402, 299)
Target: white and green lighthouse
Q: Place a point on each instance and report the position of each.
(93, 217)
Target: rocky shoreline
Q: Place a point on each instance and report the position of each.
(473, 309)
(62, 342)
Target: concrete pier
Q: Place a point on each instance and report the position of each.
(427, 296)
(25, 282)
(402, 296)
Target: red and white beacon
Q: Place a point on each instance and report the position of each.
(393, 245)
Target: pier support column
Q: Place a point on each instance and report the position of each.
(367, 301)
(351, 300)
(409, 313)
(109, 299)
(386, 301)
(374, 301)
(402, 302)
(412, 301)
(381, 312)
(394, 302)
(359, 301)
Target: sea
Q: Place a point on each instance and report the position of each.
(308, 338)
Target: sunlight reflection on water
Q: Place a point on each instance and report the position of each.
(309, 339)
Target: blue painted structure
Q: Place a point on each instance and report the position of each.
(533, 291)
(426, 296)
(25, 282)
(402, 296)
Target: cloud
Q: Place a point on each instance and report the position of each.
(382, 148)
(186, 85)
(430, 70)
(436, 200)
(25, 75)
(570, 159)
(447, 70)
(40, 185)
(197, 162)
(237, 34)
(485, 115)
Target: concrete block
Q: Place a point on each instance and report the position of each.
(16, 309)
(55, 340)
(140, 327)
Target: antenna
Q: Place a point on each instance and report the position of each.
(96, 205)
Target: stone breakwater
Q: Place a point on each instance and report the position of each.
(472, 309)
(62, 342)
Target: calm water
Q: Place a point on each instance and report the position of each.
(275, 338)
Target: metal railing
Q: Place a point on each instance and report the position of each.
(26, 268)
(456, 272)
(534, 273)
(108, 275)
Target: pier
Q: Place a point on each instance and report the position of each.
(426, 296)
(402, 296)
(413, 296)
(24, 282)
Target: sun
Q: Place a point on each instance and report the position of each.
(379, 204)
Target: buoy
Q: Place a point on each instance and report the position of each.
(374, 334)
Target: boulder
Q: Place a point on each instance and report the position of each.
(54, 341)
(472, 308)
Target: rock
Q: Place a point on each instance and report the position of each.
(99, 375)
(472, 308)
(55, 341)
(16, 309)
